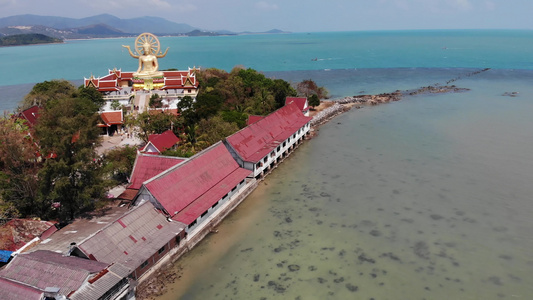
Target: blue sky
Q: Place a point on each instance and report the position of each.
(298, 15)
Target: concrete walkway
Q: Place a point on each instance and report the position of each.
(117, 141)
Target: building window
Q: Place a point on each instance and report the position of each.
(277, 149)
(162, 249)
(144, 264)
(203, 215)
(192, 224)
(214, 205)
(178, 240)
(265, 160)
(225, 196)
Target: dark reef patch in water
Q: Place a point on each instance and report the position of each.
(421, 250)
(352, 288)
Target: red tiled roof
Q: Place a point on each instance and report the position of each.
(112, 117)
(147, 166)
(300, 101)
(182, 186)
(163, 141)
(256, 140)
(252, 119)
(133, 238)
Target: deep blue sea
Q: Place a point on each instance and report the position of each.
(426, 198)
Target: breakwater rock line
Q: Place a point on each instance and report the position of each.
(344, 104)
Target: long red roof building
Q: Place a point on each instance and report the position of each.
(187, 190)
(258, 139)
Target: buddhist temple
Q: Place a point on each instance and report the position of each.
(133, 89)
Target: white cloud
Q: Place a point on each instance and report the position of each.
(262, 5)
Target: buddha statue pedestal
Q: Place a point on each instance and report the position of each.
(148, 82)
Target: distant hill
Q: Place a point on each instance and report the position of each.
(133, 26)
(27, 39)
(102, 26)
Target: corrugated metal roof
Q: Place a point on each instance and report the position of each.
(16, 291)
(182, 185)
(252, 119)
(204, 202)
(133, 238)
(256, 140)
(147, 166)
(99, 284)
(42, 269)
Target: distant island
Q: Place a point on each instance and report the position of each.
(104, 26)
(27, 39)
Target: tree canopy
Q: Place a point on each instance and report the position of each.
(52, 170)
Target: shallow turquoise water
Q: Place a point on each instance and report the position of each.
(73, 60)
(426, 198)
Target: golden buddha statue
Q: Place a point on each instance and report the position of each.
(148, 45)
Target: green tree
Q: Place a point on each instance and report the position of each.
(313, 100)
(308, 87)
(91, 94)
(71, 178)
(282, 89)
(215, 129)
(186, 109)
(156, 123)
(118, 163)
(235, 116)
(18, 168)
(42, 92)
(155, 101)
(115, 105)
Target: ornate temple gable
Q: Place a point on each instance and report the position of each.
(117, 73)
(92, 82)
